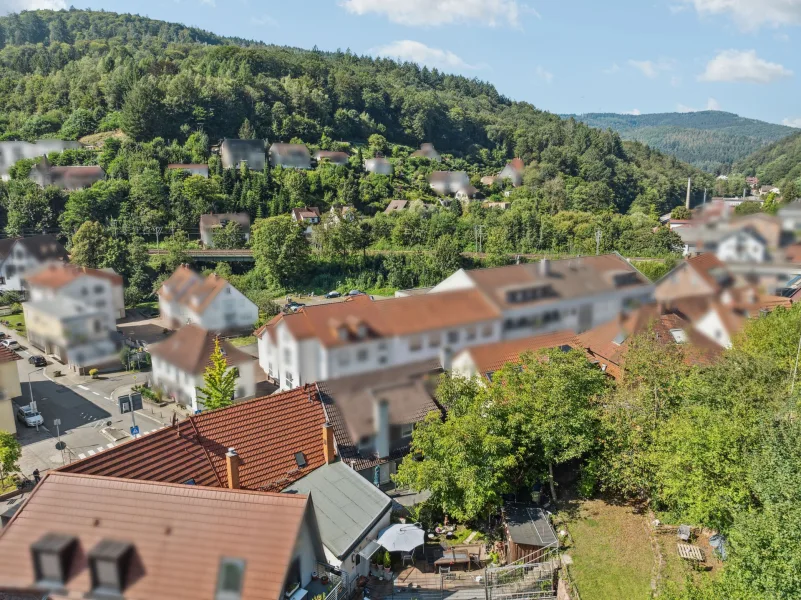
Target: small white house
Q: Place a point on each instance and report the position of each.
(210, 302)
(744, 245)
(22, 256)
(180, 361)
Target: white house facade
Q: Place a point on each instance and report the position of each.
(20, 257)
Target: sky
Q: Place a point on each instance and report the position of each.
(566, 56)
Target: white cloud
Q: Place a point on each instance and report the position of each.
(683, 108)
(796, 122)
(738, 66)
(751, 14)
(440, 12)
(417, 52)
(543, 74)
(633, 111)
(712, 104)
(650, 68)
(9, 6)
(615, 68)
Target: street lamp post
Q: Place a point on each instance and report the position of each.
(30, 385)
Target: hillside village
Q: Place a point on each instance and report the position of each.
(334, 342)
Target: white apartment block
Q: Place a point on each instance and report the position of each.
(469, 308)
(211, 302)
(19, 257)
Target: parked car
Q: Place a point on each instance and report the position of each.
(38, 361)
(333, 294)
(31, 418)
(355, 293)
(3, 335)
(10, 344)
(294, 306)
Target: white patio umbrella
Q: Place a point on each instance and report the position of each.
(403, 537)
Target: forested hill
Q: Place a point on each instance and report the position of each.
(710, 140)
(777, 164)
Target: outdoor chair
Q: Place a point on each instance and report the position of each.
(408, 558)
(430, 561)
(444, 570)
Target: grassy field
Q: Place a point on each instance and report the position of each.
(17, 323)
(611, 551)
(246, 340)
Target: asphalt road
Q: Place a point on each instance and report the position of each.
(91, 420)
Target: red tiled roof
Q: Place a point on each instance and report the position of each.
(192, 290)
(56, 275)
(266, 433)
(385, 318)
(8, 355)
(179, 533)
(703, 264)
(191, 347)
(491, 357)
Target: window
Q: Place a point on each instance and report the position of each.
(240, 391)
(486, 331)
(288, 380)
(11, 270)
(406, 430)
(98, 289)
(365, 445)
(108, 563)
(100, 304)
(434, 341)
(98, 326)
(230, 579)
(416, 344)
(470, 334)
(293, 576)
(453, 337)
(84, 291)
(287, 356)
(362, 355)
(382, 360)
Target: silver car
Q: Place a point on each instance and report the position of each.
(31, 418)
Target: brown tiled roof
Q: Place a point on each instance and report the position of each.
(187, 166)
(349, 404)
(567, 278)
(385, 318)
(517, 164)
(211, 221)
(307, 212)
(190, 349)
(793, 253)
(42, 247)
(179, 533)
(331, 155)
(395, 205)
(192, 290)
(8, 355)
(60, 274)
(491, 357)
(266, 433)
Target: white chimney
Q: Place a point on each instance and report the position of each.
(689, 189)
(545, 267)
(381, 408)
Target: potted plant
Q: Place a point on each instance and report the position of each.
(387, 564)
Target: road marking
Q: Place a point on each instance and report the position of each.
(83, 387)
(109, 445)
(24, 352)
(108, 397)
(82, 456)
(90, 452)
(95, 393)
(100, 448)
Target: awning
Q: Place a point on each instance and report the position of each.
(403, 537)
(369, 550)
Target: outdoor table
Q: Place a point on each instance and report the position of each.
(453, 558)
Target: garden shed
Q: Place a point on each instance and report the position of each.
(528, 530)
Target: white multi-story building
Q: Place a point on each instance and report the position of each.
(210, 302)
(101, 289)
(179, 365)
(469, 308)
(22, 256)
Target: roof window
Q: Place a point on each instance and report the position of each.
(679, 336)
(108, 562)
(52, 556)
(300, 459)
(230, 579)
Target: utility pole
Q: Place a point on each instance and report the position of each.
(598, 235)
(478, 231)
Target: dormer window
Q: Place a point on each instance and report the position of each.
(108, 562)
(52, 556)
(361, 330)
(342, 333)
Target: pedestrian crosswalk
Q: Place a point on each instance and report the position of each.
(94, 451)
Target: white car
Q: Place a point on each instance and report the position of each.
(10, 344)
(30, 417)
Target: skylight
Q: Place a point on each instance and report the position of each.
(679, 336)
(300, 459)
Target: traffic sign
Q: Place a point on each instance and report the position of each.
(135, 430)
(56, 422)
(125, 404)
(130, 402)
(136, 401)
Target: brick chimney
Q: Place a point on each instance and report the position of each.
(328, 443)
(232, 462)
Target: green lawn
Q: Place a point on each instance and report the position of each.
(149, 308)
(611, 552)
(246, 340)
(17, 323)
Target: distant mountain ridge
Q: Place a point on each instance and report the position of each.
(777, 163)
(711, 140)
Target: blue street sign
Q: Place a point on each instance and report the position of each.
(135, 430)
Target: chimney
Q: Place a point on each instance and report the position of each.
(328, 443)
(446, 358)
(381, 420)
(545, 267)
(232, 461)
(689, 189)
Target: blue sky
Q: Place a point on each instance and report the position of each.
(568, 56)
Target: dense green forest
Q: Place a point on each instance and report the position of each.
(777, 164)
(709, 140)
(146, 94)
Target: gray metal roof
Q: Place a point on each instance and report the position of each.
(346, 505)
(528, 525)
